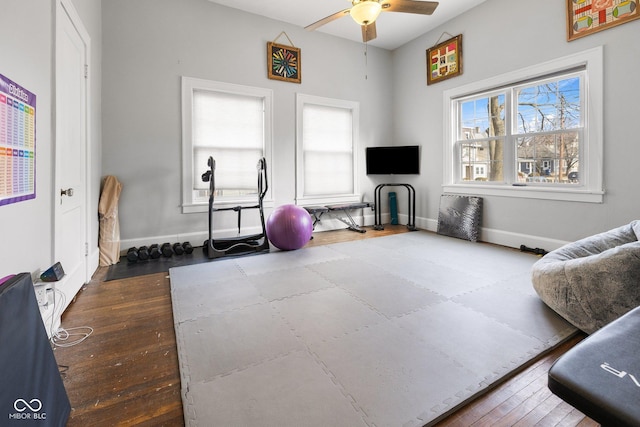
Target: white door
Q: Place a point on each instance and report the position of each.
(70, 190)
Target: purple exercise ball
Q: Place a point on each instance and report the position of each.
(289, 227)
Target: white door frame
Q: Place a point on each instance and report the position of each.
(65, 7)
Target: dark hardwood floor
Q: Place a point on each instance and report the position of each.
(126, 372)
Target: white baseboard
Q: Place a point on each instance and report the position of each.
(501, 237)
(94, 263)
(498, 237)
(515, 240)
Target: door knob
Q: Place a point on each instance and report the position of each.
(67, 192)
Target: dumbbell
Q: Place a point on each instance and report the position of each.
(167, 250)
(537, 251)
(187, 247)
(143, 253)
(132, 254)
(154, 251)
(178, 249)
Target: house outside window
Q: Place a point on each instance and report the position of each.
(326, 141)
(533, 133)
(231, 123)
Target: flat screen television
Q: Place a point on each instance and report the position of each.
(393, 160)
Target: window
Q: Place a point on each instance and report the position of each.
(327, 134)
(232, 124)
(532, 133)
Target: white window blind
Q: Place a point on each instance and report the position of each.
(230, 123)
(230, 128)
(326, 141)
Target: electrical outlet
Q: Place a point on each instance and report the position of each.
(42, 290)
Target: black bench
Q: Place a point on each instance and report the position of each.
(339, 212)
(601, 375)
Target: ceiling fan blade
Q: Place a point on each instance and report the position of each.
(369, 32)
(410, 6)
(326, 20)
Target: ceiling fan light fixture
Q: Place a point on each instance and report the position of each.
(365, 12)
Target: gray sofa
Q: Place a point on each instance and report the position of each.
(592, 281)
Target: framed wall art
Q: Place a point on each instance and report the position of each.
(444, 60)
(283, 62)
(586, 17)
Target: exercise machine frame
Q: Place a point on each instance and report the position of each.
(411, 224)
(240, 245)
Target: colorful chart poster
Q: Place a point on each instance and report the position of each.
(17, 143)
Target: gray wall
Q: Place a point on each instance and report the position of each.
(505, 35)
(150, 44)
(27, 227)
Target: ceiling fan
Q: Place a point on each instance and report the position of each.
(365, 13)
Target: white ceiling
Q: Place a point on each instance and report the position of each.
(394, 29)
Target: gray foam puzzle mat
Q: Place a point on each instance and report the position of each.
(391, 331)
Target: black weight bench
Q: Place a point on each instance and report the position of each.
(339, 212)
(601, 375)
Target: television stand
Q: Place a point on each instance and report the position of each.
(411, 225)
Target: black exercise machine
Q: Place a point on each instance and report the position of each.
(240, 245)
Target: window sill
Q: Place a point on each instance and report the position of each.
(527, 192)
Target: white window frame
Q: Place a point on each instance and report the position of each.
(307, 200)
(189, 85)
(590, 188)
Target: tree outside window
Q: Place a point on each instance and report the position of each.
(540, 123)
